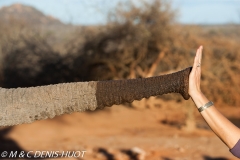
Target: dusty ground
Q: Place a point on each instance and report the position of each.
(122, 133)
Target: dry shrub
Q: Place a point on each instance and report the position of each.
(28, 59)
(129, 43)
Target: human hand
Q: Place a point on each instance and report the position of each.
(195, 75)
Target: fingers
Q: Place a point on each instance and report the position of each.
(195, 75)
(197, 59)
(200, 54)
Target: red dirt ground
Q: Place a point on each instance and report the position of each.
(123, 133)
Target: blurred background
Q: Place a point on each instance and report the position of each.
(56, 41)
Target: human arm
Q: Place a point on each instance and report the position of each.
(221, 126)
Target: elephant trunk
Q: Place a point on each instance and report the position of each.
(25, 105)
(119, 91)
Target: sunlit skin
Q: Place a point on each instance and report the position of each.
(220, 125)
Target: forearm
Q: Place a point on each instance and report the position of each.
(222, 127)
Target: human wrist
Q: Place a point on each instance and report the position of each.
(199, 99)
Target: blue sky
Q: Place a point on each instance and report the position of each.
(95, 11)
